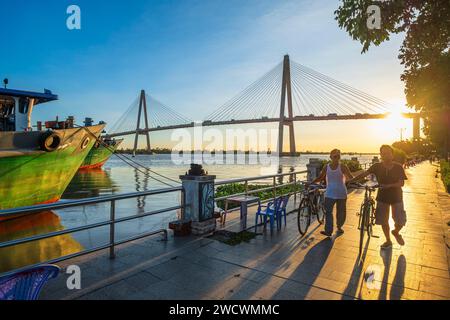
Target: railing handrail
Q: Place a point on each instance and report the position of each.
(111, 222)
(43, 236)
(87, 201)
(222, 182)
(94, 200)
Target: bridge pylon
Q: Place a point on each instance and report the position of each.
(286, 92)
(139, 131)
(416, 127)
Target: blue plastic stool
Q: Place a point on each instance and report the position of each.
(26, 285)
(282, 209)
(268, 211)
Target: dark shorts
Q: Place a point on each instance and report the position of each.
(398, 213)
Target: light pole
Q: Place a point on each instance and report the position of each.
(401, 133)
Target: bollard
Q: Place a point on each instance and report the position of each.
(314, 167)
(199, 200)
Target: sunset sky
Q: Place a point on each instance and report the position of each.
(193, 56)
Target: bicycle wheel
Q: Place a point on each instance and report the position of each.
(361, 227)
(303, 217)
(372, 213)
(370, 219)
(320, 208)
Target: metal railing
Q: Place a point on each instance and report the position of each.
(112, 199)
(293, 181)
(293, 176)
(111, 222)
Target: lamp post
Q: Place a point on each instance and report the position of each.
(401, 133)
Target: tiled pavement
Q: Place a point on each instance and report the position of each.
(282, 265)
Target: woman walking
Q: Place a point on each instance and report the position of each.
(335, 175)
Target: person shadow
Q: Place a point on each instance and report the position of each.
(386, 255)
(398, 284)
(354, 282)
(311, 267)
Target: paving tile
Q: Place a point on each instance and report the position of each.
(120, 290)
(319, 294)
(435, 288)
(141, 280)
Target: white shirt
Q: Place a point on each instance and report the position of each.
(336, 188)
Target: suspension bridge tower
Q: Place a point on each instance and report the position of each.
(286, 92)
(139, 131)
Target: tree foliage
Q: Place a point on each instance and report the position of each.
(424, 52)
(445, 174)
(414, 147)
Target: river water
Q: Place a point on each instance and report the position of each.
(114, 178)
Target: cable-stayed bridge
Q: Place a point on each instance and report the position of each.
(289, 92)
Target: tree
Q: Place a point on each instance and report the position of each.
(414, 147)
(424, 52)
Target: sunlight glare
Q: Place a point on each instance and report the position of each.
(394, 124)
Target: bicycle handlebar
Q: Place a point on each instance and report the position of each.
(315, 186)
(357, 185)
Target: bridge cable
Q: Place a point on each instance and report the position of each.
(230, 106)
(332, 94)
(244, 97)
(325, 93)
(376, 102)
(343, 85)
(129, 161)
(233, 104)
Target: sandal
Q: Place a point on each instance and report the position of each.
(398, 237)
(387, 245)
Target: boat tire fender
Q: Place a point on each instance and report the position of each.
(50, 141)
(85, 143)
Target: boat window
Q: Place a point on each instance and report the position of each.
(7, 121)
(23, 105)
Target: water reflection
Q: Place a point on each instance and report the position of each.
(36, 251)
(90, 183)
(141, 185)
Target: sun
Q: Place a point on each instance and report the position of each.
(396, 125)
(397, 121)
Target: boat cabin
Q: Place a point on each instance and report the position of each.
(16, 107)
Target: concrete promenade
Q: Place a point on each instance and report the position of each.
(282, 265)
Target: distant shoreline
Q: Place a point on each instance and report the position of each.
(141, 152)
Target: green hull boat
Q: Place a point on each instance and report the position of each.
(37, 165)
(100, 153)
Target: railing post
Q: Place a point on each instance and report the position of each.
(246, 187)
(295, 187)
(183, 202)
(112, 255)
(274, 188)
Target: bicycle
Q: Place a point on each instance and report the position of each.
(312, 203)
(366, 213)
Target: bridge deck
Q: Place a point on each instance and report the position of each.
(282, 265)
(264, 120)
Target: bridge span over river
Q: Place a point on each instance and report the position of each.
(288, 93)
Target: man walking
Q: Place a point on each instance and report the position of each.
(335, 175)
(391, 178)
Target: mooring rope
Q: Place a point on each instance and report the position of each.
(130, 162)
